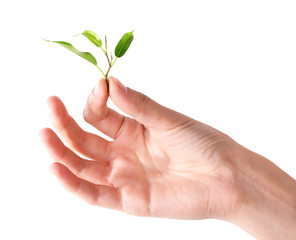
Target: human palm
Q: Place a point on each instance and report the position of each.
(160, 163)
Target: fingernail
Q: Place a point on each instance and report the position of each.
(97, 90)
(120, 85)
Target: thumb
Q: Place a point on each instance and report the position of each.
(142, 108)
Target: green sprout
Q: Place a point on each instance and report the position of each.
(121, 48)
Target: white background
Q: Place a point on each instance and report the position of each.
(230, 64)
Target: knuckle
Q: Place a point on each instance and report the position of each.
(86, 115)
(144, 99)
(91, 115)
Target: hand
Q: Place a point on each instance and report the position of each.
(164, 164)
(161, 163)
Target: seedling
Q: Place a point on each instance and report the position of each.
(121, 48)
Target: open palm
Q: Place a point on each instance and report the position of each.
(160, 163)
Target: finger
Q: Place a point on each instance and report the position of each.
(99, 115)
(91, 171)
(83, 142)
(142, 108)
(100, 195)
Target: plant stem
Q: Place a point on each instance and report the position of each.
(110, 65)
(114, 61)
(108, 59)
(101, 71)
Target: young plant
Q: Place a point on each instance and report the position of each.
(121, 48)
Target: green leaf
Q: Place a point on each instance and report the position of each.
(86, 55)
(93, 37)
(123, 44)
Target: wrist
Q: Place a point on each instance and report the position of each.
(268, 209)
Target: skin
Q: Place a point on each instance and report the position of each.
(161, 163)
